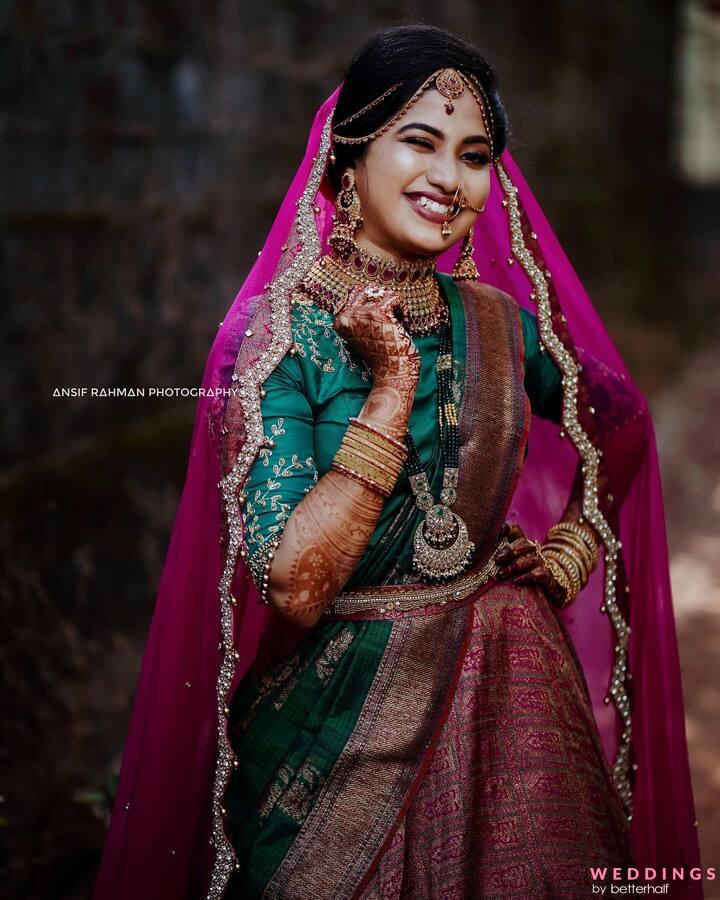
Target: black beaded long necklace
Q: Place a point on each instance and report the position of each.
(442, 546)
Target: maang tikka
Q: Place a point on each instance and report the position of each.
(347, 218)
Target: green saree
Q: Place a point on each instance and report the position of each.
(344, 728)
(309, 398)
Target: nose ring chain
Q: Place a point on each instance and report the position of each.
(457, 205)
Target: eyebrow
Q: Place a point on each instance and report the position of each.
(473, 139)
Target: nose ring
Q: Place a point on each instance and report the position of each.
(463, 202)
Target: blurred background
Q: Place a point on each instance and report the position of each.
(143, 149)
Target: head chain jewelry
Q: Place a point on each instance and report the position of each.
(449, 82)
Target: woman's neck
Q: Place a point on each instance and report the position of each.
(393, 257)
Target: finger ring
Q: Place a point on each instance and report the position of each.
(374, 290)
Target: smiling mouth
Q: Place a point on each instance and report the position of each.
(429, 209)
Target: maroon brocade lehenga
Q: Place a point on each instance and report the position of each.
(517, 799)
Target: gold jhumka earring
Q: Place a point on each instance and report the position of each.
(347, 218)
(465, 268)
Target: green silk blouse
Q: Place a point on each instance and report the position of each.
(309, 398)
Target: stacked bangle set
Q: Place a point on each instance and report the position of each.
(571, 553)
(371, 457)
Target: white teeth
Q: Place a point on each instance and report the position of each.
(432, 205)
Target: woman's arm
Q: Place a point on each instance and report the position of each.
(329, 530)
(520, 561)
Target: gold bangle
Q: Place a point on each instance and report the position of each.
(400, 445)
(573, 540)
(359, 441)
(370, 457)
(567, 538)
(367, 469)
(571, 566)
(391, 467)
(386, 452)
(585, 534)
(568, 565)
(363, 479)
(581, 560)
(371, 436)
(578, 531)
(577, 547)
(559, 575)
(358, 452)
(557, 570)
(580, 563)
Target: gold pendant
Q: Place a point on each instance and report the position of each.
(442, 545)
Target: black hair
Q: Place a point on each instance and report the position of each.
(407, 53)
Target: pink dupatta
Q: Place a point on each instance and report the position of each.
(166, 836)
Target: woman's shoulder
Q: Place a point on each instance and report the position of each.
(316, 341)
(482, 292)
(481, 289)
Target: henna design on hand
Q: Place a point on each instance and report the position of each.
(329, 530)
(371, 327)
(323, 541)
(520, 562)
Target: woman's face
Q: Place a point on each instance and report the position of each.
(426, 153)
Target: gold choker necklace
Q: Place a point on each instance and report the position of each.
(329, 281)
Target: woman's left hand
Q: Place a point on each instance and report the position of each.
(521, 563)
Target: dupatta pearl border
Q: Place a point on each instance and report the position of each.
(278, 292)
(590, 457)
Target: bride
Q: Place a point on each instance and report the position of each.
(392, 653)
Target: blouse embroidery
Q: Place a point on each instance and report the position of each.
(311, 322)
(258, 539)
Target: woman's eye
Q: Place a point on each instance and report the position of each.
(478, 158)
(421, 142)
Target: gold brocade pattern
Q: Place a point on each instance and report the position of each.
(297, 799)
(362, 794)
(333, 652)
(516, 799)
(284, 676)
(292, 792)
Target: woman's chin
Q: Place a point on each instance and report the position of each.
(424, 242)
(425, 239)
(430, 247)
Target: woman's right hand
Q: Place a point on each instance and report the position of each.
(370, 325)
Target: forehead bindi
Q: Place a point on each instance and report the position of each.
(430, 109)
